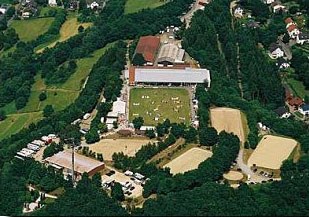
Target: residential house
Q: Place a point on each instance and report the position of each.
(291, 27)
(304, 109)
(27, 8)
(52, 3)
(302, 38)
(293, 31)
(277, 7)
(4, 8)
(282, 63)
(73, 5)
(95, 4)
(269, 1)
(282, 112)
(296, 102)
(276, 51)
(238, 12)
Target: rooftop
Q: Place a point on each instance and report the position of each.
(81, 163)
(170, 53)
(173, 75)
(148, 47)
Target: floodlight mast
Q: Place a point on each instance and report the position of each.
(72, 146)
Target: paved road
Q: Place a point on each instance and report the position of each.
(188, 16)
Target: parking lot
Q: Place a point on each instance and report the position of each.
(124, 180)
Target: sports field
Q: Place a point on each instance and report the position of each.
(110, 146)
(133, 6)
(67, 30)
(29, 30)
(188, 161)
(228, 119)
(272, 151)
(161, 103)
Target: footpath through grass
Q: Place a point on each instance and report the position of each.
(29, 30)
(171, 103)
(133, 6)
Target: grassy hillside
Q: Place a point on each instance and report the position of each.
(28, 30)
(60, 97)
(68, 29)
(133, 6)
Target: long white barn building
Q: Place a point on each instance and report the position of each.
(167, 75)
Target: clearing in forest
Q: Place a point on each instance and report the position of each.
(190, 160)
(229, 120)
(157, 104)
(67, 30)
(272, 151)
(133, 6)
(29, 30)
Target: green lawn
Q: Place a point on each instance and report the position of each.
(30, 29)
(133, 6)
(298, 87)
(161, 99)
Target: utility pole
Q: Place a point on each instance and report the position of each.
(72, 145)
(73, 157)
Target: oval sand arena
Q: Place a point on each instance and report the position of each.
(188, 160)
(271, 152)
(233, 176)
(110, 146)
(229, 120)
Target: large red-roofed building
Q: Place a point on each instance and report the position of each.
(148, 46)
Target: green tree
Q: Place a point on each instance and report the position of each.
(115, 124)
(48, 111)
(191, 135)
(117, 192)
(2, 115)
(97, 180)
(92, 136)
(138, 122)
(81, 29)
(208, 136)
(42, 96)
(150, 133)
(138, 60)
(102, 127)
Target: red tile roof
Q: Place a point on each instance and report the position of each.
(292, 27)
(295, 101)
(148, 47)
(288, 20)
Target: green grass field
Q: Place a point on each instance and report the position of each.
(298, 87)
(160, 103)
(28, 30)
(133, 6)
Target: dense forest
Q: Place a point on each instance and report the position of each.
(211, 40)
